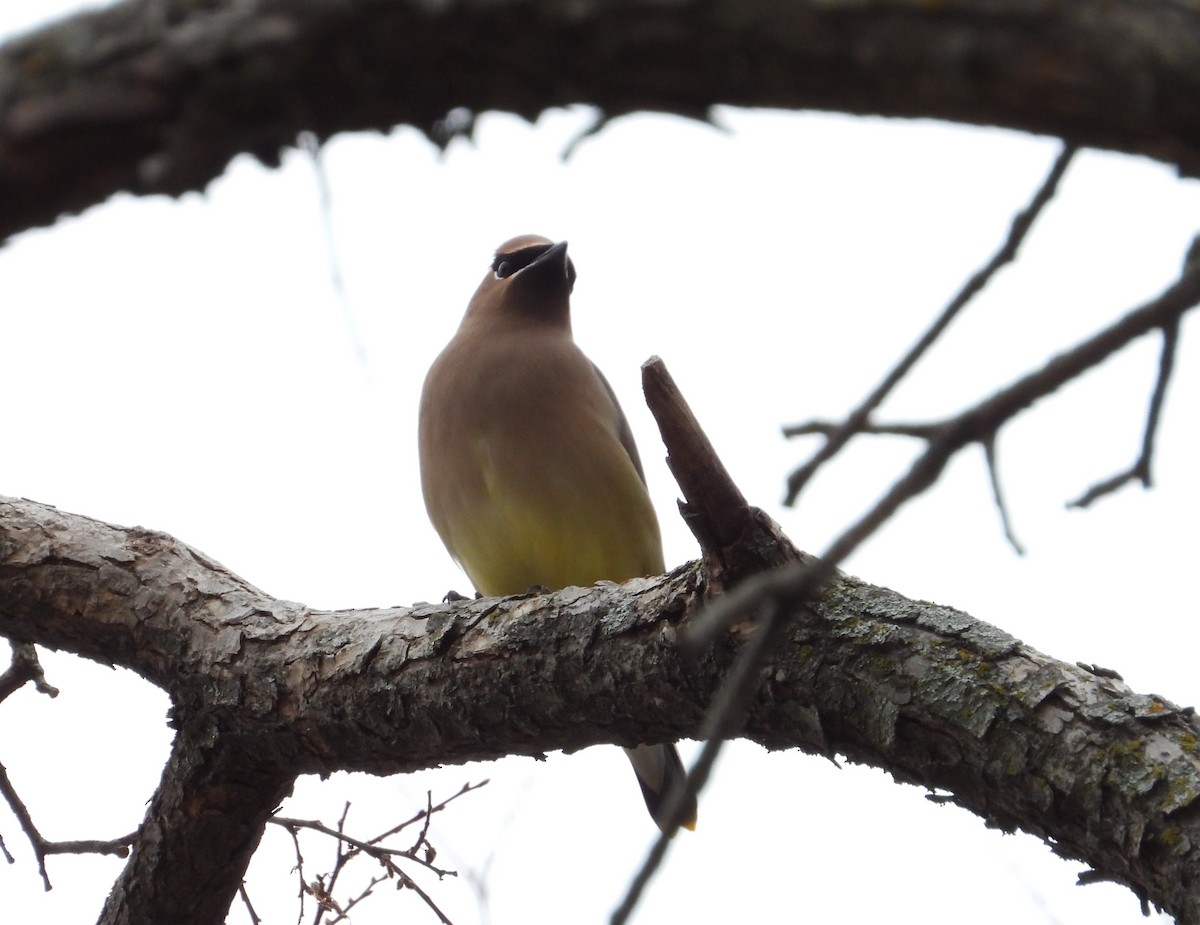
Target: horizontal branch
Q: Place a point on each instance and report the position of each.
(154, 97)
(926, 692)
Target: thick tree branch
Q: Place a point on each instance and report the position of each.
(159, 95)
(267, 690)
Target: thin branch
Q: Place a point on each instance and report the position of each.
(422, 836)
(373, 850)
(254, 919)
(42, 848)
(341, 856)
(311, 145)
(722, 721)
(117, 847)
(1140, 470)
(367, 891)
(979, 424)
(407, 881)
(421, 852)
(861, 415)
(299, 869)
(989, 451)
(423, 814)
(830, 428)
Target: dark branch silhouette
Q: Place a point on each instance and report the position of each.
(43, 847)
(982, 422)
(133, 99)
(859, 420)
(322, 888)
(1140, 470)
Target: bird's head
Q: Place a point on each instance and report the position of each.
(530, 277)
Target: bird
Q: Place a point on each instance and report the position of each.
(529, 470)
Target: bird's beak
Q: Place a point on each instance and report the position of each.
(556, 255)
(554, 267)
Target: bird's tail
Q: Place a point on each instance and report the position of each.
(660, 772)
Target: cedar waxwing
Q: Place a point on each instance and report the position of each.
(528, 466)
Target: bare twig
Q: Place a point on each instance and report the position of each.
(311, 145)
(25, 667)
(980, 423)
(722, 721)
(423, 814)
(829, 428)
(254, 919)
(367, 891)
(1140, 470)
(421, 852)
(989, 451)
(299, 869)
(369, 848)
(324, 897)
(860, 417)
(42, 848)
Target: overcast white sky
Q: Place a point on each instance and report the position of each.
(187, 365)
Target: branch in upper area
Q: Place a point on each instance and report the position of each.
(859, 420)
(982, 422)
(151, 97)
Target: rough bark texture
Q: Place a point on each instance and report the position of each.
(265, 689)
(159, 95)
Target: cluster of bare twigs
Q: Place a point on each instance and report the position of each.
(981, 423)
(323, 887)
(24, 668)
(777, 596)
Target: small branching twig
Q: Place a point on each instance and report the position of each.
(25, 667)
(859, 419)
(328, 882)
(348, 847)
(989, 451)
(424, 814)
(982, 422)
(367, 891)
(254, 919)
(298, 869)
(369, 848)
(1140, 470)
(42, 847)
(407, 882)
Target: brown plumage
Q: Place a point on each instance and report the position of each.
(528, 466)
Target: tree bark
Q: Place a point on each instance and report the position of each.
(264, 690)
(158, 95)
